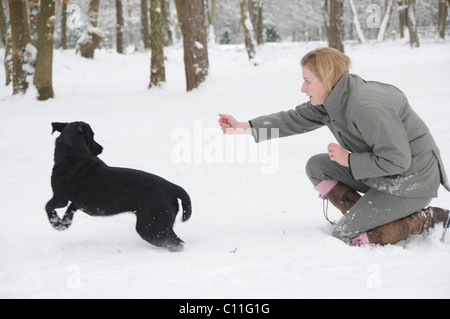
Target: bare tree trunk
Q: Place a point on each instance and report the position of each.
(211, 11)
(211, 19)
(248, 30)
(144, 23)
(442, 17)
(402, 16)
(20, 36)
(6, 39)
(119, 27)
(64, 25)
(356, 23)
(194, 42)
(44, 57)
(336, 25)
(326, 18)
(34, 17)
(386, 20)
(91, 37)
(3, 23)
(158, 71)
(165, 16)
(178, 5)
(260, 25)
(412, 24)
(255, 8)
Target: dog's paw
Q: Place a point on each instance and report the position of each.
(58, 223)
(175, 248)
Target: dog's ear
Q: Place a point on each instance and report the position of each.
(58, 127)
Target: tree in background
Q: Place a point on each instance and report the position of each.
(194, 42)
(5, 35)
(157, 69)
(255, 8)
(356, 23)
(336, 28)
(386, 20)
(297, 20)
(402, 9)
(44, 58)
(91, 38)
(64, 24)
(226, 37)
(248, 30)
(211, 18)
(442, 17)
(178, 6)
(23, 53)
(293, 20)
(145, 29)
(34, 16)
(272, 34)
(412, 24)
(407, 19)
(119, 27)
(165, 16)
(326, 18)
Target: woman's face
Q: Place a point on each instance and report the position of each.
(313, 87)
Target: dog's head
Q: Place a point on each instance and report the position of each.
(79, 135)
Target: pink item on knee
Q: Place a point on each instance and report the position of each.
(325, 187)
(361, 240)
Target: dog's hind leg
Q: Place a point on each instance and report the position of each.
(149, 233)
(172, 242)
(158, 231)
(56, 222)
(163, 238)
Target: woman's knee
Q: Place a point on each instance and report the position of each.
(315, 167)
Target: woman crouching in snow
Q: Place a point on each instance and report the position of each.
(385, 151)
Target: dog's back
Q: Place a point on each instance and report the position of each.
(103, 190)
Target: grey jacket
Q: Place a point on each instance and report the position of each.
(392, 149)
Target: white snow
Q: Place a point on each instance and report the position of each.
(198, 45)
(251, 235)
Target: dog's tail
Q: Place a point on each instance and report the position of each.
(185, 202)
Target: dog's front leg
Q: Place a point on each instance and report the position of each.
(56, 222)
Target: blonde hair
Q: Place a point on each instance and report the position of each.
(327, 64)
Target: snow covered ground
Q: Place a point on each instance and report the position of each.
(257, 229)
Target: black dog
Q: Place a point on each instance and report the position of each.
(80, 177)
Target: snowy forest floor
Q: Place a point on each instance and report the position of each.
(257, 229)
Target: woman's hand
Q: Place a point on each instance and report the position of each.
(338, 154)
(231, 126)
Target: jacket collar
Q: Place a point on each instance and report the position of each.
(338, 97)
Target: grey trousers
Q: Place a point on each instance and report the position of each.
(374, 209)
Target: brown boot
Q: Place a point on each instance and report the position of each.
(343, 197)
(414, 224)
